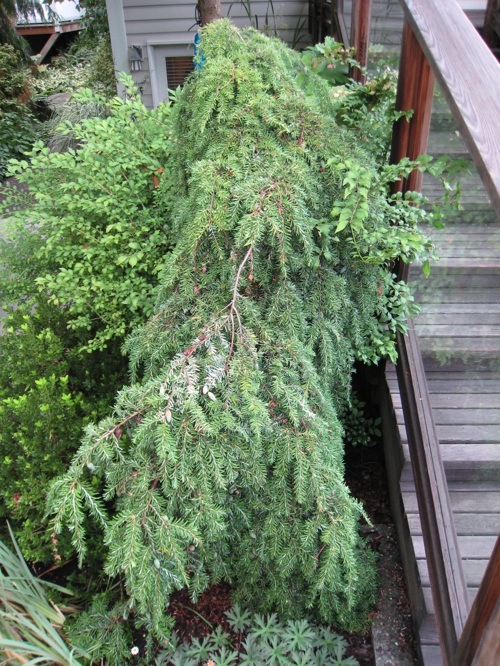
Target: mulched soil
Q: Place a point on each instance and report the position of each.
(192, 620)
(365, 475)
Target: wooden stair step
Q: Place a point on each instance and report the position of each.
(457, 402)
(456, 297)
(473, 570)
(467, 415)
(456, 319)
(447, 143)
(429, 641)
(464, 497)
(465, 523)
(463, 347)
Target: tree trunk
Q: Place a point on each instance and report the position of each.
(210, 11)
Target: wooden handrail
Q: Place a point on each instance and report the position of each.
(469, 76)
(439, 41)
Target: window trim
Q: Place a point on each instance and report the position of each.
(157, 52)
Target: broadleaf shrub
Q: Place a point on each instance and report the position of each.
(47, 395)
(223, 458)
(85, 239)
(94, 220)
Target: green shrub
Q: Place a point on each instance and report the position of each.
(223, 459)
(86, 237)
(102, 631)
(85, 66)
(46, 398)
(93, 224)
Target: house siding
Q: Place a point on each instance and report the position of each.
(171, 22)
(387, 16)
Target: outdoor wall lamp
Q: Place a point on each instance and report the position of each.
(135, 58)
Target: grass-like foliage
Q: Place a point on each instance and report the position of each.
(18, 125)
(223, 459)
(30, 624)
(262, 640)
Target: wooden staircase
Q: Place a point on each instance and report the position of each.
(459, 336)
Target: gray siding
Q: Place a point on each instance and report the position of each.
(171, 22)
(387, 19)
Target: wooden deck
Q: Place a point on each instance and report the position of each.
(459, 335)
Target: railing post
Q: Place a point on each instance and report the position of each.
(360, 35)
(483, 618)
(415, 89)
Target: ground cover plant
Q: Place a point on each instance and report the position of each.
(223, 457)
(256, 640)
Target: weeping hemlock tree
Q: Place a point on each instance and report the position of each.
(224, 458)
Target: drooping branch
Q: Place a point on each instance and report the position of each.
(232, 305)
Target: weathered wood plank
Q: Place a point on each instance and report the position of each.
(479, 473)
(456, 319)
(431, 655)
(451, 297)
(475, 460)
(447, 382)
(461, 502)
(460, 401)
(476, 308)
(448, 583)
(463, 330)
(466, 524)
(428, 631)
(463, 416)
(484, 347)
(463, 262)
(473, 571)
(429, 604)
(461, 435)
(450, 279)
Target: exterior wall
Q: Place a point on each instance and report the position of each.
(166, 28)
(387, 17)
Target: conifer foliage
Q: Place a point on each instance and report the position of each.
(223, 458)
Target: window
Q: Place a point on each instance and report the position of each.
(178, 69)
